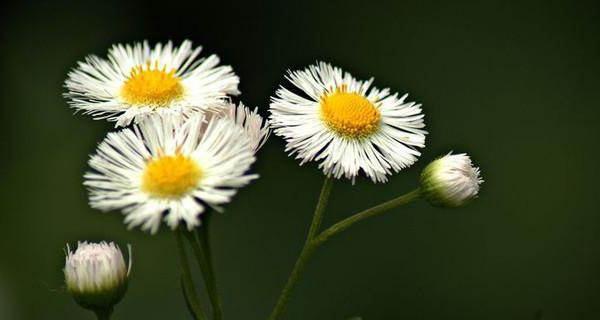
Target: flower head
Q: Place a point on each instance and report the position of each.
(256, 128)
(346, 124)
(96, 274)
(135, 81)
(450, 181)
(170, 168)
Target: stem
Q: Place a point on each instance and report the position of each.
(306, 252)
(371, 212)
(211, 282)
(313, 241)
(187, 283)
(201, 250)
(103, 314)
(320, 209)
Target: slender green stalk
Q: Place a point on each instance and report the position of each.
(320, 209)
(371, 212)
(201, 250)
(103, 314)
(187, 284)
(313, 241)
(306, 252)
(211, 280)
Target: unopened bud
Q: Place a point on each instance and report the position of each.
(96, 275)
(450, 181)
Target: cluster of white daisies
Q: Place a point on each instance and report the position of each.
(183, 145)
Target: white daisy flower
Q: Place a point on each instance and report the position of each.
(347, 124)
(136, 80)
(171, 168)
(257, 129)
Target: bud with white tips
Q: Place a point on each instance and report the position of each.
(96, 275)
(450, 181)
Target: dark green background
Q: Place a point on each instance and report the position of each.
(514, 84)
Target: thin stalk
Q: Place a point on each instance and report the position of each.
(320, 209)
(306, 252)
(213, 292)
(371, 212)
(187, 283)
(313, 241)
(201, 250)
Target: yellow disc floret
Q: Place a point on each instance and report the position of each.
(350, 114)
(150, 85)
(170, 176)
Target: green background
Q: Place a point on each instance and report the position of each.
(514, 84)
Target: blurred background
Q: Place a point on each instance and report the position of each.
(514, 84)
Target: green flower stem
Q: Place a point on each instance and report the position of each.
(103, 314)
(306, 252)
(201, 250)
(187, 284)
(320, 209)
(213, 293)
(371, 212)
(313, 240)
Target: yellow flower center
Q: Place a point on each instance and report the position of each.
(170, 176)
(150, 85)
(349, 114)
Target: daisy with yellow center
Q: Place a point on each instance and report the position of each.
(169, 168)
(346, 124)
(136, 81)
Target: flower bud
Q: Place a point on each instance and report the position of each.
(450, 181)
(96, 274)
